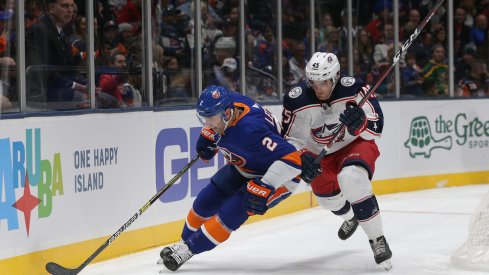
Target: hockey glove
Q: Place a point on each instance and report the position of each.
(354, 118)
(310, 169)
(256, 197)
(206, 146)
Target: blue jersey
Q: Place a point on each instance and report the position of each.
(253, 142)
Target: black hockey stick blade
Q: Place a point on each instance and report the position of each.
(56, 269)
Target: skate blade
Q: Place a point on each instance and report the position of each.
(160, 261)
(387, 265)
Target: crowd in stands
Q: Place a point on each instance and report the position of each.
(57, 30)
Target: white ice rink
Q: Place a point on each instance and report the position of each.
(423, 228)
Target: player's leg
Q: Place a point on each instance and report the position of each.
(212, 233)
(223, 185)
(328, 195)
(354, 180)
(218, 229)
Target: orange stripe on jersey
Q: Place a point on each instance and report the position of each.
(216, 230)
(293, 157)
(278, 192)
(246, 110)
(194, 221)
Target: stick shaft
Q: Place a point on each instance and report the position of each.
(54, 268)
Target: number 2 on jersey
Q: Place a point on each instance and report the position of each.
(269, 143)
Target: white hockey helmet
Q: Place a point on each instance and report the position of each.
(323, 66)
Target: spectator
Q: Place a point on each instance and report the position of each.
(179, 81)
(413, 22)
(174, 37)
(230, 74)
(131, 13)
(365, 50)
(422, 48)
(476, 83)
(463, 66)
(440, 36)
(478, 34)
(382, 14)
(412, 76)
(298, 61)
(46, 46)
(78, 40)
(225, 47)
(381, 49)
(263, 54)
(208, 30)
(111, 83)
(460, 30)
(7, 33)
(343, 29)
(7, 83)
(332, 43)
(326, 22)
(437, 71)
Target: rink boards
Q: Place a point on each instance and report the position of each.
(88, 174)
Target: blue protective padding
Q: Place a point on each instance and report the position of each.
(228, 180)
(343, 210)
(199, 243)
(366, 209)
(186, 232)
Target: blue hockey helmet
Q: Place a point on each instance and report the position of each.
(213, 100)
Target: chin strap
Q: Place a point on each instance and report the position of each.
(226, 122)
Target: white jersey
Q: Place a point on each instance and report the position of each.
(310, 123)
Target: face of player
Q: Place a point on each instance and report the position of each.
(216, 122)
(323, 89)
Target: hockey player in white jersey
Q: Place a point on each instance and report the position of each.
(313, 110)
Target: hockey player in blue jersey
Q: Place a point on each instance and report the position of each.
(262, 170)
(313, 111)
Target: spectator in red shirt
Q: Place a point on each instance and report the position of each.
(131, 13)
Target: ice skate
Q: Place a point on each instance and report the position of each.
(348, 228)
(167, 251)
(178, 257)
(382, 252)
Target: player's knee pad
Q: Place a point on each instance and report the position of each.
(336, 203)
(366, 209)
(354, 183)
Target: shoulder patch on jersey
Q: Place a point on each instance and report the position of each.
(347, 81)
(294, 93)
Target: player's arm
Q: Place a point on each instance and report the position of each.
(269, 190)
(296, 124)
(366, 121)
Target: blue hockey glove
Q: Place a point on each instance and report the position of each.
(256, 197)
(206, 146)
(310, 169)
(354, 118)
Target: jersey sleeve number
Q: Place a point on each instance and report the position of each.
(269, 143)
(287, 116)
